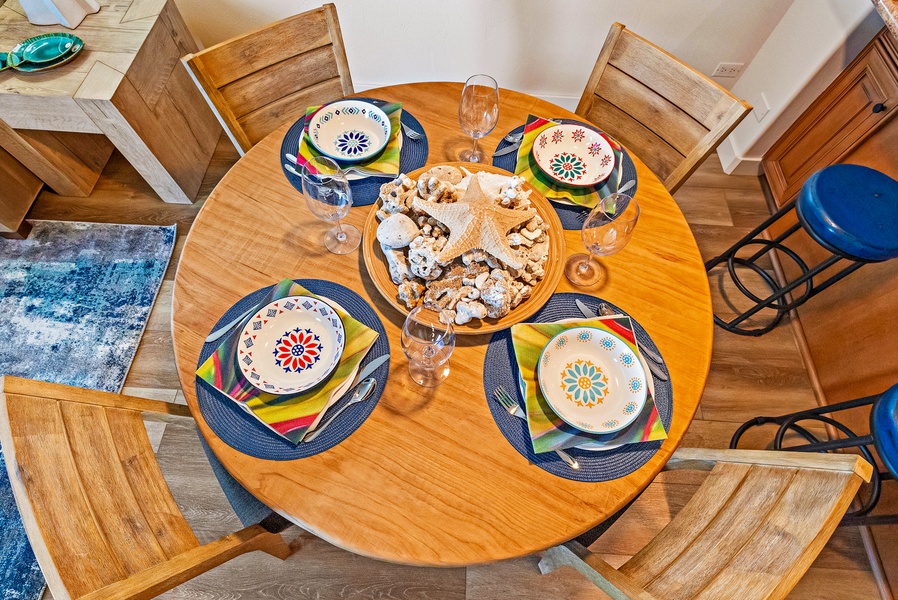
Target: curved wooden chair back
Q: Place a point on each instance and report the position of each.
(260, 80)
(668, 113)
(750, 531)
(98, 513)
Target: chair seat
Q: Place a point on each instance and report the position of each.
(884, 426)
(851, 210)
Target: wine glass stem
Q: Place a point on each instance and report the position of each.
(583, 267)
(474, 150)
(341, 237)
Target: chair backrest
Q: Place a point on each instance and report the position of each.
(751, 530)
(96, 508)
(668, 113)
(260, 80)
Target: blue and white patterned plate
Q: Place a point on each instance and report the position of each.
(592, 379)
(350, 130)
(291, 345)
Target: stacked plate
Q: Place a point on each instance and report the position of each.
(42, 52)
(592, 380)
(574, 155)
(291, 345)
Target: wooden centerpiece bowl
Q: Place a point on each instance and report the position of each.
(378, 269)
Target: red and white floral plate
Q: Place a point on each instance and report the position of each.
(573, 155)
(291, 345)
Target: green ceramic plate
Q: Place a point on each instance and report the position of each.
(44, 52)
(3, 63)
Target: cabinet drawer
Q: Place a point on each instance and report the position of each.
(836, 122)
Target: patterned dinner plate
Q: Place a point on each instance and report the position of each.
(573, 155)
(290, 345)
(592, 379)
(349, 130)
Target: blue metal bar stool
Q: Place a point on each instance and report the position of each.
(850, 210)
(883, 437)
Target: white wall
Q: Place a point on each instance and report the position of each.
(542, 47)
(812, 44)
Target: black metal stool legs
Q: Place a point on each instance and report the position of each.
(777, 300)
(790, 423)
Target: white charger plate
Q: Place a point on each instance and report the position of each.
(592, 380)
(291, 345)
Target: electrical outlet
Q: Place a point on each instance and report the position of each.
(728, 70)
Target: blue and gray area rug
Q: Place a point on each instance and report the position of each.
(74, 302)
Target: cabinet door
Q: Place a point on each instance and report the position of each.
(863, 97)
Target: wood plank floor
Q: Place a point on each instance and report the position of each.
(749, 376)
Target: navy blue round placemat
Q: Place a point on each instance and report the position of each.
(242, 431)
(500, 368)
(571, 216)
(364, 191)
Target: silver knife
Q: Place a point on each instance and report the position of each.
(654, 368)
(370, 368)
(509, 150)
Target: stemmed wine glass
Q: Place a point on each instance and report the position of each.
(428, 339)
(478, 112)
(606, 230)
(329, 198)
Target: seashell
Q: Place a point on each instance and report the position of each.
(397, 231)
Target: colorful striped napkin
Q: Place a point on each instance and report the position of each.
(289, 416)
(385, 163)
(527, 168)
(547, 430)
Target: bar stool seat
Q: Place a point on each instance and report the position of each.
(850, 210)
(884, 427)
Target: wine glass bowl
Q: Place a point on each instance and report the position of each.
(607, 230)
(428, 339)
(329, 198)
(478, 112)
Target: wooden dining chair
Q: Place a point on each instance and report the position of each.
(262, 79)
(751, 530)
(662, 109)
(100, 518)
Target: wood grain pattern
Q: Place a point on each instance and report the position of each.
(842, 570)
(128, 85)
(99, 516)
(663, 104)
(20, 188)
(378, 269)
(260, 80)
(751, 530)
(408, 486)
(837, 122)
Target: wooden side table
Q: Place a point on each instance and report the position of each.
(127, 90)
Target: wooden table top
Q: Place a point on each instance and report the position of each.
(429, 479)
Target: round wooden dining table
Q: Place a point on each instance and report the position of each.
(428, 478)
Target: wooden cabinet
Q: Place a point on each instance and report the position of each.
(852, 348)
(861, 100)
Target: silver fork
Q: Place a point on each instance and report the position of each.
(514, 409)
(411, 133)
(514, 138)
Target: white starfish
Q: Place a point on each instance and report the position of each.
(475, 221)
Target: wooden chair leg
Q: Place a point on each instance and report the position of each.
(572, 554)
